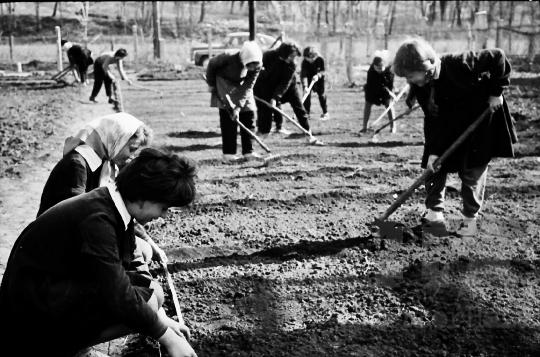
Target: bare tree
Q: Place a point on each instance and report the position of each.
(335, 9)
(391, 17)
(442, 5)
(177, 18)
(491, 10)
(376, 13)
(37, 17)
(422, 8)
(319, 11)
(54, 10)
(326, 11)
(431, 12)
(203, 10)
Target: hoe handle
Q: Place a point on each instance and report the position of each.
(422, 179)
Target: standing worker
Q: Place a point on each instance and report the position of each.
(380, 82)
(313, 70)
(80, 58)
(277, 77)
(235, 75)
(453, 91)
(103, 74)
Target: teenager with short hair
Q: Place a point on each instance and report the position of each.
(103, 74)
(313, 70)
(66, 284)
(453, 91)
(379, 84)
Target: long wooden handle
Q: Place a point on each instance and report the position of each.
(309, 90)
(173, 293)
(390, 106)
(396, 118)
(61, 73)
(143, 87)
(284, 114)
(422, 179)
(250, 133)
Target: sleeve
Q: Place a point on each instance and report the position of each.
(246, 89)
(100, 253)
(120, 66)
(321, 65)
(495, 62)
(389, 79)
(283, 83)
(72, 180)
(303, 70)
(213, 66)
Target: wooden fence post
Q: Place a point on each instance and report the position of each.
(11, 43)
(135, 42)
(59, 48)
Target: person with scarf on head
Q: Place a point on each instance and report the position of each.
(91, 159)
(80, 58)
(235, 75)
(67, 284)
(453, 91)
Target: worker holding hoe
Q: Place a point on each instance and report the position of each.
(277, 84)
(313, 75)
(103, 74)
(235, 75)
(453, 91)
(80, 58)
(66, 283)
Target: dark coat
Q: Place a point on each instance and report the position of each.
(275, 77)
(70, 265)
(223, 72)
(465, 83)
(69, 178)
(308, 70)
(376, 83)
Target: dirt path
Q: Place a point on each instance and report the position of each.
(19, 197)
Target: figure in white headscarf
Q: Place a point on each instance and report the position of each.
(235, 75)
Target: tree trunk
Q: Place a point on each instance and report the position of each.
(391, 17)
(203, 10)
(37, 17)
(422, 8)
(54, 11)
(319, 11)
(335, 4)
(442, 5)
(177, 5)
(491, 9)
(326, 11)
(376, 13)
(458, 13)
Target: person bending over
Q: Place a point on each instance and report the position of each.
(313, 70)
(103, 74)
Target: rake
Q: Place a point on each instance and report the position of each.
(375, 138)
(147, 88)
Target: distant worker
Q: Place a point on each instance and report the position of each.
(277, 84)
(313, 71)
(235, 75)
(102, 73)
(80, 58)
(379, 85)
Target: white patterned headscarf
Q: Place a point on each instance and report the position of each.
(107, 135)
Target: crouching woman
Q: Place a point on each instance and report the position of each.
(66, 286)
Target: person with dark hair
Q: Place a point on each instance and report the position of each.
(313, 70)
(235, 75)
(380, 82)
(453, 91)
(277, 79)
(80, 58)
(91, 159)
(67, 282)
(102, 73)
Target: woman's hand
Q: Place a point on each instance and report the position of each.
(159, 255)
(495, 103)
(179, 328)
(176, 345)
(273, 102)
(430, 162)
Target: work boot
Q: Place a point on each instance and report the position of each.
(252, 156)
(393, 129)
(229, 159)
(433, 223)
(325, 116)
(93, 99)
(467, 228)
(282, 131)
(111, 101)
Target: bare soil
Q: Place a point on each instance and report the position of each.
(281, 259)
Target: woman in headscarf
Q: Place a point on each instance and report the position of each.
(92, 158)
(235, 75)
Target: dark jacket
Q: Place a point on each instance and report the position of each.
(308, 70)
(376, 83)
(275, 77)
(223, 72)
(75, 253)
(465, 83)
(69, 178)
(81, 56)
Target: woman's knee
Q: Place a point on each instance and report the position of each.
(157, 298)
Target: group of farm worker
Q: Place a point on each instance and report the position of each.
(270, 77)
(78, 275)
